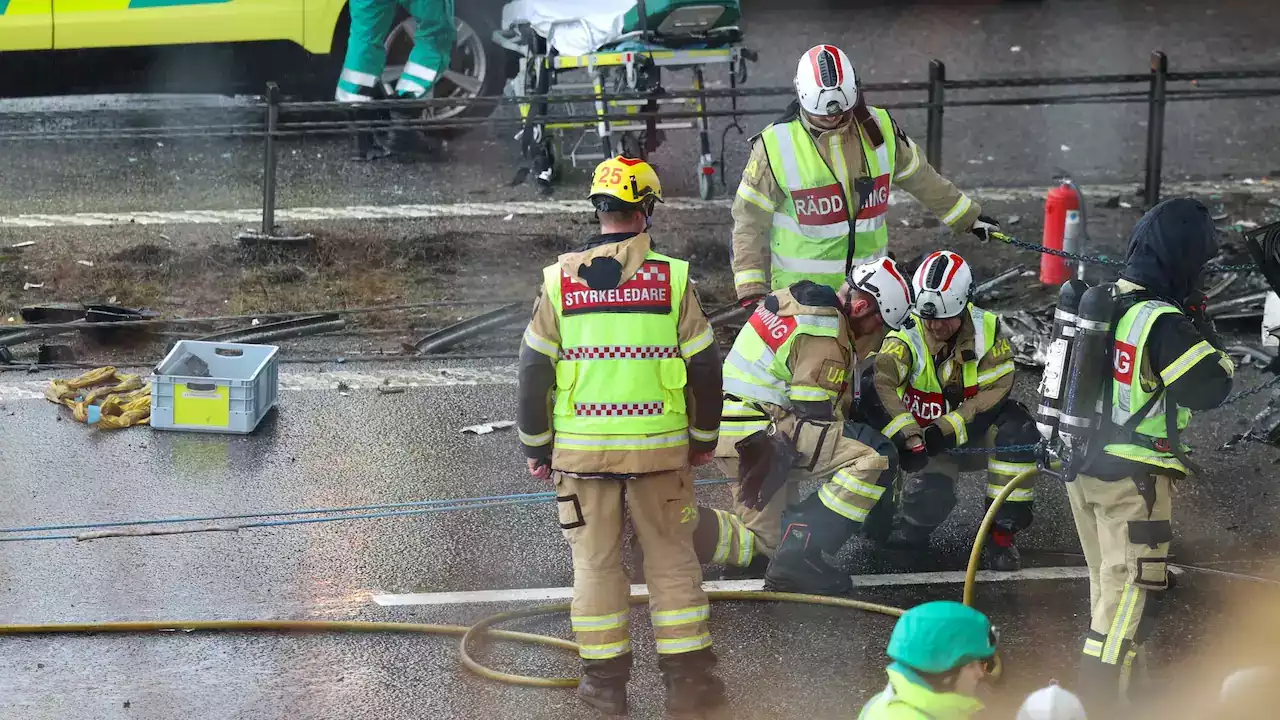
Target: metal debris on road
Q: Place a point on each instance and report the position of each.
(986, 287)
(486, 428)
(32, 286)
(20, 245)
(445, 338)
(1029, 335)
(258, 333)
(86, 263)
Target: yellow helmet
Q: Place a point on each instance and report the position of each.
(622, 183)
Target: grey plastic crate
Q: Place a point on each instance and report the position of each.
(214, 387)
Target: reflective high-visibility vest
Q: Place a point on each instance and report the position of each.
(922, 392)
(756, 370)
(620, 377)
(810, 236)
(1128, 396)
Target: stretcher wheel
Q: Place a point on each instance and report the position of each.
(706, 184)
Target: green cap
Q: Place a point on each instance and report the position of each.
(939, 636)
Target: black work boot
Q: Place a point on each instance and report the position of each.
(906, 536)
(410, 143)
(799, 565)
(999, 553)
(364, 146)
(691, 688)
(604, 684)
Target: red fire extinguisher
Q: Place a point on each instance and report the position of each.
(1062, 227)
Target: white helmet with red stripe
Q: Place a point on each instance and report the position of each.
(942, 284)
(882, 280)
(825, 81)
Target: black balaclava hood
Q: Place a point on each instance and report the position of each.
(1169, 248)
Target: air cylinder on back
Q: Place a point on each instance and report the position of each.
(1053, 383)
(1088, 368)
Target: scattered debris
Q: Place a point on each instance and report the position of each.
(1126, 205)
(1219, 217)
(1015, 48)
(271, 332)
(47, 354)
(86, 263)
(52, 313)
(391, 389)
(1112, 202)
(28, 243)
(986, 287)
(1029, 335)
(32, 286)
(1066, 148)
(509, 216)
(486, 428)
(1014, 219)
(481, 324)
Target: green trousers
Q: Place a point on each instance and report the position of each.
(433, 39)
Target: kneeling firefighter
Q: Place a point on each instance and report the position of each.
(941, 383)
(1160, 359)
(782, 422)
(619, 394)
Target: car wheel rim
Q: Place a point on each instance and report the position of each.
(467, 67)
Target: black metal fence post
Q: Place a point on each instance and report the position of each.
(933, 135)
(269, 161)
(1156, 102)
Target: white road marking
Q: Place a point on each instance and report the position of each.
(534, 207)
(859, 581)
(336, 380)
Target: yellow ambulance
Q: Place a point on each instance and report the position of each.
(318, 26)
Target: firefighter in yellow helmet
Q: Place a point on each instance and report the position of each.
(619, 396)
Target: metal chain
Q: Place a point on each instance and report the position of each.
(1031, 447)
(1251, 391)
(1096, 260)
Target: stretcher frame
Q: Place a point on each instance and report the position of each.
(546, 73)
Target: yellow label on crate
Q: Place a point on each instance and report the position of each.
(198, 406)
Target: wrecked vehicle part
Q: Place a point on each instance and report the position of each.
(284, 330)
(471, 327)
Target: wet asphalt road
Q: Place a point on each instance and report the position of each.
(890, 41)
(324, 449)
(327, 449)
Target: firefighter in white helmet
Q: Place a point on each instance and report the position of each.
(618, 397)
(944, 383)
(790, 373)
(813, 197)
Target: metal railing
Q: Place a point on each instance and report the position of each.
(283, 119)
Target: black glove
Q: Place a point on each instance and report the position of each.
(913, 460)
(984, 226)
(1197, 309)
(935, 441)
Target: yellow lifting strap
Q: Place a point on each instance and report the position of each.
(120, 400)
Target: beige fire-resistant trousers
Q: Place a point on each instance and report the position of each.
(854, 487)
(1125, 530)
(592, 510)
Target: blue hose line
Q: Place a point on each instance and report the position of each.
(424, 506)
(303, 521)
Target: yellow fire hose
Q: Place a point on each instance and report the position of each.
(484, 627)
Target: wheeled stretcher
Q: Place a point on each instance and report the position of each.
(600, 48)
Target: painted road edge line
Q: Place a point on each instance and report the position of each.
(334, 380)
(532, 207)
(951, 577)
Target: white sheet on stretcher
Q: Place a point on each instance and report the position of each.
(572, 27)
